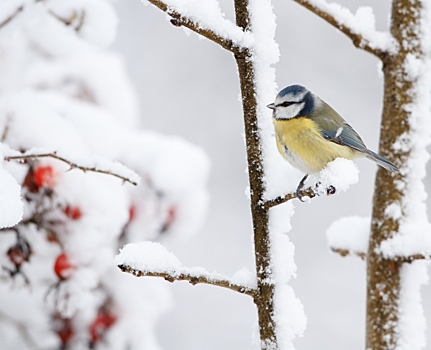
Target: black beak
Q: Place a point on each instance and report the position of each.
(271, 106)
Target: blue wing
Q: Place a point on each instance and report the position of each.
(346, 136)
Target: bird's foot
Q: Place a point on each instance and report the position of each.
(298, 194)
(299, 188)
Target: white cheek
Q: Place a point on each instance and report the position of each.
(292, 110)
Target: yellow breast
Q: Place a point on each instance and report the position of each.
(299, 141)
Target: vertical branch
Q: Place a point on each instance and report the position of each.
(260, 214)
(383, 288)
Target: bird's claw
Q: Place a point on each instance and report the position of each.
(299, 195)
(299, 188)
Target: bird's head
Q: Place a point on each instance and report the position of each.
(293, 101)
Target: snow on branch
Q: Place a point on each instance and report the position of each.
(336, 177)
(408, 248)
(359, 27)
(205, 18)
(349, 236)
(98, 165)
(152, 259)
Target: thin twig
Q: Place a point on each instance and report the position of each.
(357, 39)
(12, 16)
(405, 259)
(214, 281)
(71, 164)
(346, 252)
(309, 192)
(414, 257)
(180, 20)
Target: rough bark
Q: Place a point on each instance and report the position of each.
(383, 275)
(260, 214)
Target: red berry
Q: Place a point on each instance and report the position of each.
(16, 256)
(52, 237)
(45, 176)
(62, 267)
(103, 321)
(19, 253)
(64, 329)
(172, 215)
(72, 212)
(132, 212)
(29, 181)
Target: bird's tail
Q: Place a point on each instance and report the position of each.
(383, 162)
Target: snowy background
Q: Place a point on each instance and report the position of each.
(188, 86)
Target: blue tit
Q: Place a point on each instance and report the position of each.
(310, 133)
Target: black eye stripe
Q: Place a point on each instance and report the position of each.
(285, 104)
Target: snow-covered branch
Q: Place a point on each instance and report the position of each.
(336, 177)
(401, 259)
(152, 259)
(193, 279)
(309, 192)
(346, 252)
(111, 168)
(359, 27)
(206, 20)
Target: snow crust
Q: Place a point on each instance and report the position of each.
(148, 257)
(340, 173)
(349, 233)
(209, 16)
(154, 257)
(288, 311)
(411, 318)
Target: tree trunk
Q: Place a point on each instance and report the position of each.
(383, 275)
(260, 214)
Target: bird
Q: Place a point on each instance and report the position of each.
(310, 134)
